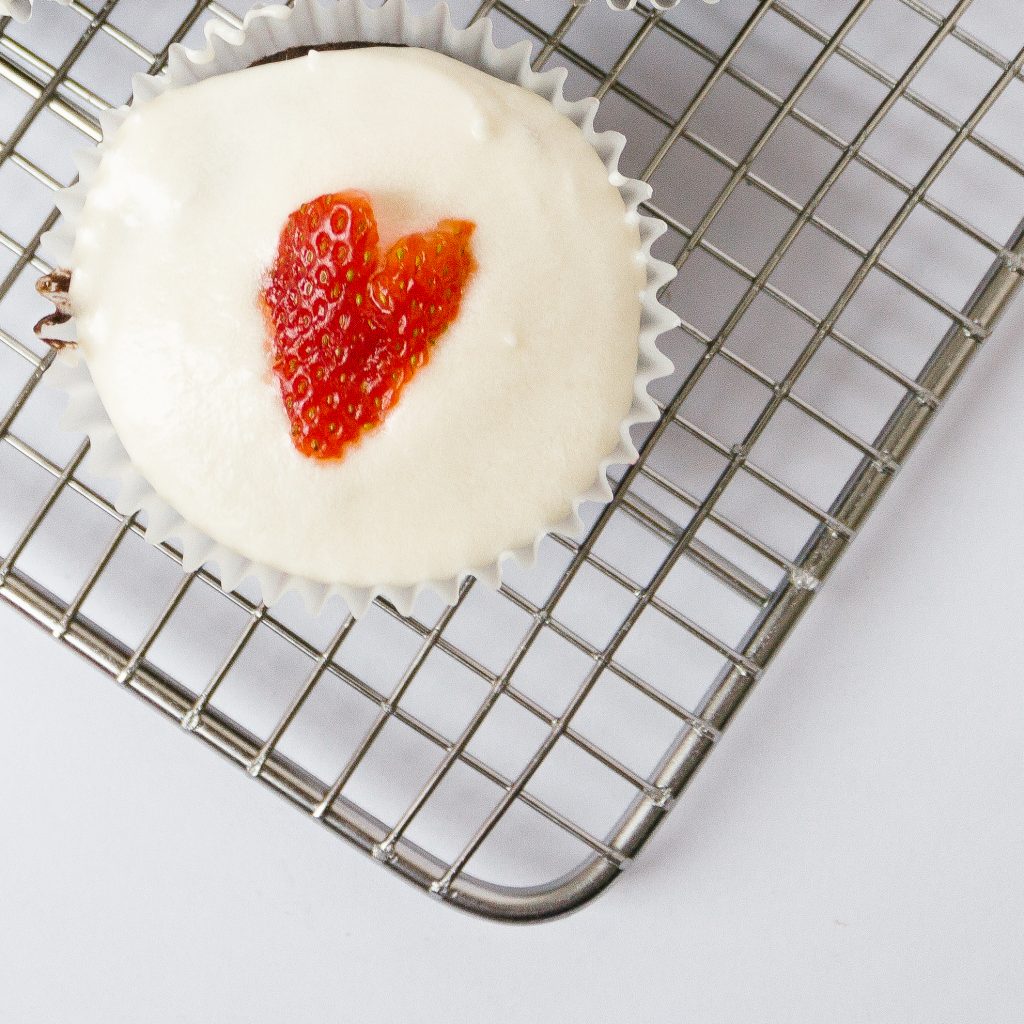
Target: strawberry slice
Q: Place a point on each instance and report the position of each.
(351, 326)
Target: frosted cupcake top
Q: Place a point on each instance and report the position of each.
(524, 391)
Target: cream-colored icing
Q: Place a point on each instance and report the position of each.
(525, 393)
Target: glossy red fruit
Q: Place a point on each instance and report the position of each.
(349, 325)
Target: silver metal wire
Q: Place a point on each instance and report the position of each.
(511, 754)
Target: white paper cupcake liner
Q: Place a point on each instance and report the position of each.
(21, 9)
(309, 23)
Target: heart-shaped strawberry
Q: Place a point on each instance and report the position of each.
(351, 326)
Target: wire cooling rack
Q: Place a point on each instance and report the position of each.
(814, 162)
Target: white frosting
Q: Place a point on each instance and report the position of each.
(525, 393)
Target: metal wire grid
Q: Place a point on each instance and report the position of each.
(513, 753)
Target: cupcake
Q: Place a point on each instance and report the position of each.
(360, 318)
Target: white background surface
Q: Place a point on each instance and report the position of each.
(852, 853)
